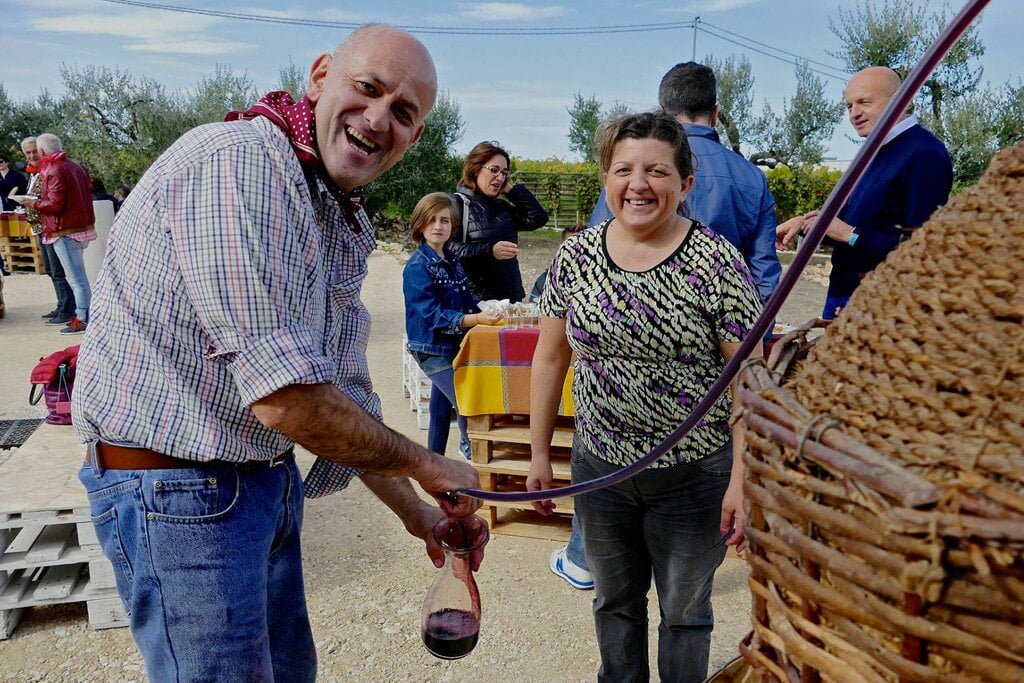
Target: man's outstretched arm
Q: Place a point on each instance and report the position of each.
(329, 424)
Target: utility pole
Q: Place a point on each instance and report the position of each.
(696, 20)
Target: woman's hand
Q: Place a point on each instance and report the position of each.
(488, 318)
(539, 479)
(505, 250)
(733, 522)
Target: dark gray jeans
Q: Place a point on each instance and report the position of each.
(664, 519)
(65, 296)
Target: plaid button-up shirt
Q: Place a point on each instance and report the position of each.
(229, 274)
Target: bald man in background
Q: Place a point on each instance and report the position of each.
(910, 178)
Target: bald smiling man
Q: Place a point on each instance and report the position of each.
(228, 327)
(910, 178)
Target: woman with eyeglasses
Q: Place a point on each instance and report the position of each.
(492, 213)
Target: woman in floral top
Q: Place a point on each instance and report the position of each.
(653, 305)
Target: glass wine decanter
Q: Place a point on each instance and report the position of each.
(451, 611)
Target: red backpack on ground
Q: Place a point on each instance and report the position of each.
(56, 375)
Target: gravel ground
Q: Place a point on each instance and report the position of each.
(365, 577)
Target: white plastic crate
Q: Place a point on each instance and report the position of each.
(416, 387)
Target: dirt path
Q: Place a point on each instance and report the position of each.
(365, 577)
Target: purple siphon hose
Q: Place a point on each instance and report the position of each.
(842, 190)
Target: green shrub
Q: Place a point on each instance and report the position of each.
(552, 199)
(588, 188)
(800, 189)
(553, 165)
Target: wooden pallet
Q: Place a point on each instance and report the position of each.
(486, 432)
(49, 553)
(22, 254)
(49, 565)
(500, 447)
(505, 469)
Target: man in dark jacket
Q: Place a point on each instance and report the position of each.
(11, 182)
(911, 177)
(66, 214)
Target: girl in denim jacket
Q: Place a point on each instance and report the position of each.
(439, 307)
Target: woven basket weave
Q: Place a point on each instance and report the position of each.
(886, 487)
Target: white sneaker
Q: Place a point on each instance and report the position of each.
(574, 574)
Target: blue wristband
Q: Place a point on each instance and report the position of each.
(853, 238)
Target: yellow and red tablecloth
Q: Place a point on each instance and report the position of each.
(492, 372)
(14, 225)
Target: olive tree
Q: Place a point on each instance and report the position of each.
(896, 34)
(735, 98)
(799, 134)
(585, 117)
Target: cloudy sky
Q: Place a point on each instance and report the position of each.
(512, 88)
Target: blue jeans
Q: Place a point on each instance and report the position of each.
(71, 255)
(208, 566)
(442, 402)
(664, 519)
(834, 305)
(65, 307)
(574, 550)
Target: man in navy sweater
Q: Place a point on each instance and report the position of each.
(730, 195)
(911, 177)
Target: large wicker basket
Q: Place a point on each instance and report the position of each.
(886, 474)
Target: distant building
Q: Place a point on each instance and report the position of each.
(836, 164)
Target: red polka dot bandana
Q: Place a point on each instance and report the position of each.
(298, 122)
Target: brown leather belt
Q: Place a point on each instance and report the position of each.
(110, 457)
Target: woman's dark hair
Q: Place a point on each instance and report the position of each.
(425, 209)
(570, 230)
(659, 126)
(475, 160)
(3, 158)
(98, 186)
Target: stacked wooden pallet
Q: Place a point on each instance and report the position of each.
(51, 557)
(501, 454)
(49, 553)
(22, 254)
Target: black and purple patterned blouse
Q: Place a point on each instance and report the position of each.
(647, 343)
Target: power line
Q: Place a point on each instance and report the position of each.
(795, 62)
(772, 47)
(552, 31)
(710, 29)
